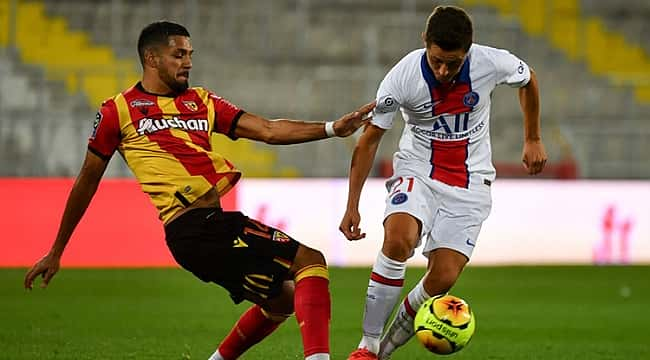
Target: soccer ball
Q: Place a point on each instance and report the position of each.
(444, 324)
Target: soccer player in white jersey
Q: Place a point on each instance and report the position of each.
(440, 190)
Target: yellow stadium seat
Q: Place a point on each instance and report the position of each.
(505, 7)
(564, 35)
(67, 55)
(126, 80)
(566, 6)
(254, 160)
(580, 38)
(98, 87)
(642, 93)
(4, 22)
(535, 13)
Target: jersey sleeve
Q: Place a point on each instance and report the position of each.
(105, 136)
(226, 116)
(389, 98)
(510, 69)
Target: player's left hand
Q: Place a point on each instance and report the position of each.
(46, 267)
(534, 156)
(350, 225)
(347, 124)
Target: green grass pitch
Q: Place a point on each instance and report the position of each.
(522, 313)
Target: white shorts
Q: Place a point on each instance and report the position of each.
(451, 216)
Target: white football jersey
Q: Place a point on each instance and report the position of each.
(446, 136)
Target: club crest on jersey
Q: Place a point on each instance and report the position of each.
(280, 236)
(470, 99)
(148, 125)
(141, 102)
(399, 198)
(191, 105)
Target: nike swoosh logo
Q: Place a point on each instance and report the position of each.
(468, 242)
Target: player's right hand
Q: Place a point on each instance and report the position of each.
(534, 157)
(349, 123)
(47, 266)
(350, 225)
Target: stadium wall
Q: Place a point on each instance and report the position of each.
(532, 221)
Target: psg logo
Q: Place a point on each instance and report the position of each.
(400, 198)
(470, 99)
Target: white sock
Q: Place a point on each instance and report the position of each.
(216, 356)
(401, 329)
(384, 288)
(319, 356)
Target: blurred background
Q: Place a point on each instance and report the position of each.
(316, 60)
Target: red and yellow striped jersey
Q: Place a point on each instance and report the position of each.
(166, 143)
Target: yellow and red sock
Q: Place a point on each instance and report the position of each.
(313, 308)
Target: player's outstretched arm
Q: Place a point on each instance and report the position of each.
(285, 131)
(362, 160)
(82, 192)
(534, 154)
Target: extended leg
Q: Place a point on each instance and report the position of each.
(401, 234)
(444, 268)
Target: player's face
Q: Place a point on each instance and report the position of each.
(445, 64)
(175, 63)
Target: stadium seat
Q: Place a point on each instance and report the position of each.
(315, 60)
(583, 38)
(68, 55)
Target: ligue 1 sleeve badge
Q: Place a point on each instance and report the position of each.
(386, 104)
(470, 99)
(98, 119)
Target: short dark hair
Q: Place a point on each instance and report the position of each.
(449, 27)
(158, 33)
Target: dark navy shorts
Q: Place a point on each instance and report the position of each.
(232, 250)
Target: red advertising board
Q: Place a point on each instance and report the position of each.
(120, 228)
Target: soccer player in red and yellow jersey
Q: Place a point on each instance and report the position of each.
(162, 128)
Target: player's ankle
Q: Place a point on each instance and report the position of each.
(370, 343)
(216, 356)
(320, 356)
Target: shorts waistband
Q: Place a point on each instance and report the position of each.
(191, 213)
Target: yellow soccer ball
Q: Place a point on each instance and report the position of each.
(444, 324)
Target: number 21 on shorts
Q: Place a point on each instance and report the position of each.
(397, 186)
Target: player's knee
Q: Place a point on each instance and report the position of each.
(308, 256)
(305, 257)
(282, 304)
(278, 311)
(397, 248)
(399, 242)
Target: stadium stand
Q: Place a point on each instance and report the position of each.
(616, 85)
(37, 121)
(581, 36)
(68, 55)
(315, 59)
